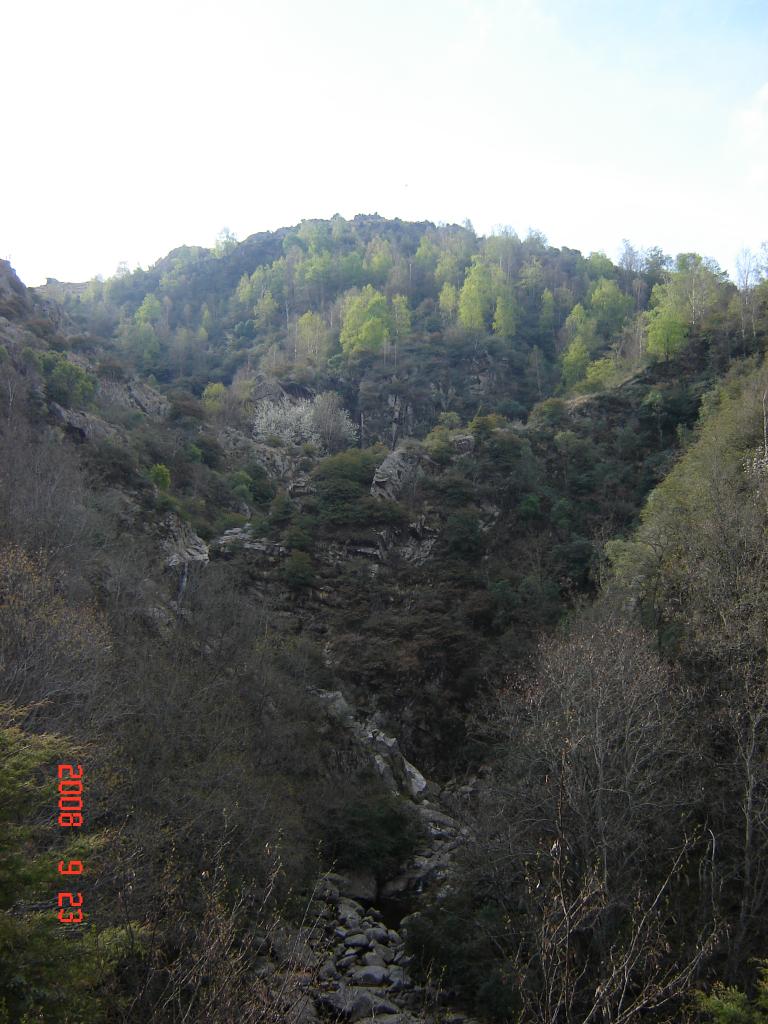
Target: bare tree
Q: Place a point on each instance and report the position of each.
(585, 833)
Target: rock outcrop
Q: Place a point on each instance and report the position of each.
(400, 470)
(15, 301)
(135, 394)
(81, 426)
(181, 544)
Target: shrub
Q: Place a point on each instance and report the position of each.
(160, 476)
(66, 383)
(357, 465)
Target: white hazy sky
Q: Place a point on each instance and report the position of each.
(131, 128)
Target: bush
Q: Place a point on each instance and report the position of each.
(357, 465)
(65, 383)
(160, 476)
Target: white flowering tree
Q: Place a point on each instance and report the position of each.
(321, 421)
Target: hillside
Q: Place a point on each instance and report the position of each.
(290, 530)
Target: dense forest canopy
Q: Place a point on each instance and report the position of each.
(285, 524)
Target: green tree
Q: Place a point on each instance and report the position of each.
(477, 298)
(448, 301)
(66, 383)
(610, 307)
(150, 311)
(313, 339)
(575, 362)
(213, 398)
(265, 311)
(505, 317)
(667, 332)
(366, 323)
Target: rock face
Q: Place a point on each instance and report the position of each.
(14, 298)
(283, 464)
(135, 395)
(376, 747)
(400, 470)
(81, 425)
(181, 544)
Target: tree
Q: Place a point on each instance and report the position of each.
(366, 322)
(226, 242)
(505, 317)
(477, 298)
(667, 333)
(53, 651)
(448, 301)
(214, 396)
(66, 383)
(150, 312)
(583, 832)
(332, 423)
(610, 307)
(575, 361)
(698, 567)
(298, 572)
(725, 1004)
(313, 338)
(265, 311)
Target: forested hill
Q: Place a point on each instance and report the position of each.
(282, 520)
(447, 321)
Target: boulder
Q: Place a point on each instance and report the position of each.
(370, 974)
(355, 1004)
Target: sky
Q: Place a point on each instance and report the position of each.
(131, 128)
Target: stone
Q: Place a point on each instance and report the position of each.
(328, 972)
(369, 1005)
(370, 974)
(356, 1003)
(374, 959)
(356, 940)
(349, 912)
(414, 780)
(377, 934)
(398, 979)
(302, 1011)
(386, 954)
(346, 961)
